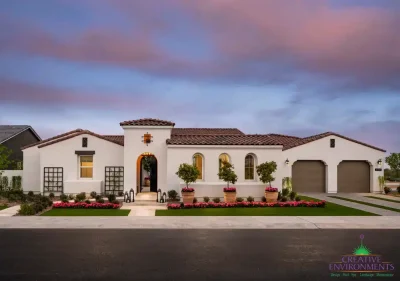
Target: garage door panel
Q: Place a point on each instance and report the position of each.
(354, 176)
(308, 176)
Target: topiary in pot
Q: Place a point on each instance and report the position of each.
(188, 173)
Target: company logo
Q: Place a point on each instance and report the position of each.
(362, 263)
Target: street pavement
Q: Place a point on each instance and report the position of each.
(172, 254)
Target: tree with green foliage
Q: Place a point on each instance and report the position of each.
(227, 173)
(265, 171)
(5, 161)
(188, 173)
(393, 160)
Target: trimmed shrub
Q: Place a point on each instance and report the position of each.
(263, 199)
(194, 200)
(285, 192)
(63, 197)
(172, 194)
(111, 197)
(250, 199)
(279, 195)
(65, 200)
(93, 194)
(98, 197)
(26, 210)
(387, 189)
(216, 200)
(101, 200)
(298, 198)
(71, 197)
(120, 193)
(87, 201)
(38, 207)
(81, 196)
(30, 193)
(77, 201)
(283, 199)
(115, 202)
(206, 199)
(398, 189)
(292, 195)
(239, 199)
(51, 195)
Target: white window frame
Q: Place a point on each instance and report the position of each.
(85, 167)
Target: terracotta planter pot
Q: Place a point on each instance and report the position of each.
(271, 196)
(188, 197)
(229, 197)
(146, 182)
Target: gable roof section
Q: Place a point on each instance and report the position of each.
(222, 140)
(147, 122)
(301, 141)
(9, 131)
(115, 138)
(52, 138)
(206, 131)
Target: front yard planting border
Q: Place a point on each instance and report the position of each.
(2, 207)
(85, 212)
(366, 203)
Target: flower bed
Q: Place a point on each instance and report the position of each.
(82, 205)
(319, 204)
(229, 189)
(271, 189)
(187, 189)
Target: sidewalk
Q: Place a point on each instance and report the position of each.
(142, 222)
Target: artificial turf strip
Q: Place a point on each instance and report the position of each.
(366, 203)
(330, 209)
(85, 212)
(384, 199)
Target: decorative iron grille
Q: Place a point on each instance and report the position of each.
(114, 181)
(53, 179)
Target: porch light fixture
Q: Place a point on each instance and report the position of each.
(287, 162)
(379, 162)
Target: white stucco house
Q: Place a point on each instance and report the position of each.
(83, 161)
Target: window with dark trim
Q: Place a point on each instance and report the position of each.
(53, 179)
(332, 142)
(84, 142)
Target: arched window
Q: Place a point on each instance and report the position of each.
(223, 158)
(249, 163)
(198, 162)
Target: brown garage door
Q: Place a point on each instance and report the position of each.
(308, 176)
(353, 176)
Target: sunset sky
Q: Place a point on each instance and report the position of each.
(283, 66)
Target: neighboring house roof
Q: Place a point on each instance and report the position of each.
(147, 122)
(206, 131)
(284, 139)
(302, 141)
(222, 140)
(9, 131)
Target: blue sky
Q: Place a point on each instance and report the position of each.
(290, 67)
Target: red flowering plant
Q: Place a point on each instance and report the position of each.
(147, 178)
(82, 205)
(187, 189)
(319, 204)
(271, 189)
(230, 189)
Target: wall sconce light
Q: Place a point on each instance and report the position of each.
(379, 162)
(287, 162)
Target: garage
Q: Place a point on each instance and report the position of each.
(354, 176)
(308, 176)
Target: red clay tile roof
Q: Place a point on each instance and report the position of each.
(222, 140)
(52, 138)
(115, 138)
(147, 122)
(302, 141)
(284, 139)
(81, 132)
(206, 131)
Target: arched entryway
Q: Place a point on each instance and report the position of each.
(146, 173)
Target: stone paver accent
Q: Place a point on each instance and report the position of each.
(142, 222)
(374, 210)
(9, 212)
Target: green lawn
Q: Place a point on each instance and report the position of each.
(329, 210)
(2, 207)
(384, 199)
(85, 212)
(366, 203)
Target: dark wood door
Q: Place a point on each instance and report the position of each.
(153, 174)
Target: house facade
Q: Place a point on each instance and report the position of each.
(146, 157)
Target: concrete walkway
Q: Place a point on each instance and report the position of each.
(382, 196)
(374, 210)
(9, 212)
(361, 197)
(200, 222)
(142, 211)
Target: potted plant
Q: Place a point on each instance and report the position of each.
(188, 173)
(227, 174)
(381, 180)
(265, 171)
(147, 181)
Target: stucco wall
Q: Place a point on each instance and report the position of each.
(62, 154)
(212, 186)
(134, 147)
(31, 172)
(344, 150)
